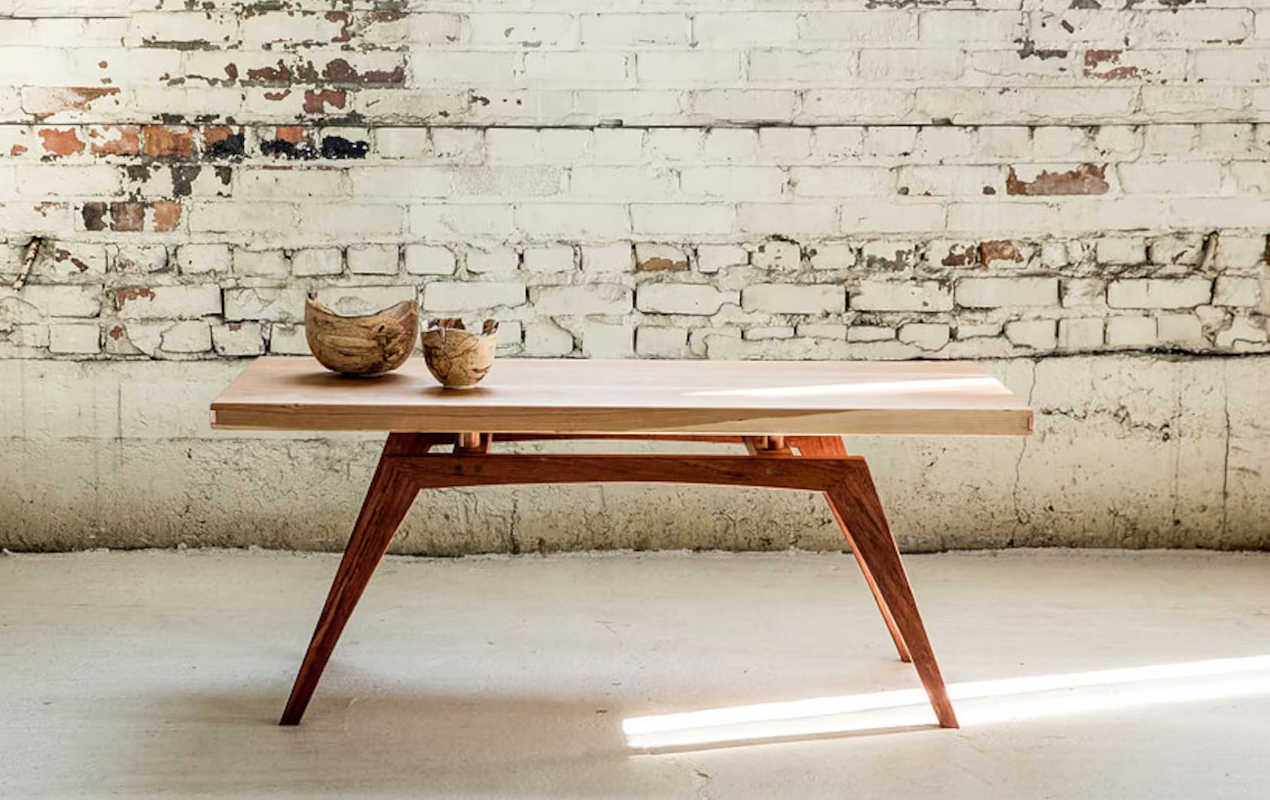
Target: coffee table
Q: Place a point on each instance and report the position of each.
(789, 415)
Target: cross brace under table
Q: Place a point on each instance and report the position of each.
(812, 463)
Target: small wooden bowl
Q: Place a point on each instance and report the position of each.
(365, 347)
(455, 356)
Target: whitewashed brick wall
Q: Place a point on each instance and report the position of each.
(658, 178)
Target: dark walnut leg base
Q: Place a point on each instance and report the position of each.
(821, 464)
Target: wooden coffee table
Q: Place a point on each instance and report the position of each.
(789, 416)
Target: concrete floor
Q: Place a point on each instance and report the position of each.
(160, 674)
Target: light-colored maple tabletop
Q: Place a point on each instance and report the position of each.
(636, 396)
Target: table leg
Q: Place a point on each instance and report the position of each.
(855, 503)
(833, 447)
(388, 499)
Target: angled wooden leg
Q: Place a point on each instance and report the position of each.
(856, 504)
(387, 501)
(833, 447)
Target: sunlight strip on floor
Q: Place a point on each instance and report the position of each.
(978, 703)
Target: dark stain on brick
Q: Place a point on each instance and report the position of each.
(1101, 64)
(999, 250)
(279, 74)
(94, 216)
(316, 102)
(307, 72)
(989, 190)
(960, 256)
(222, 141)
(289, 145)
(224, 174)
(1086, 5)
(232, 71)
(162, 141)
(122, 296)
(1028, 49)
(339, 148)
(116, 333)
(1067, 26)
(183, 177)
(127, 216)
(1085, 179)
(387, 16)
(901, 260)
(167, 215)
(61, 142)
(137, 172)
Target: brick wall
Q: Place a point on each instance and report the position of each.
(981, 179)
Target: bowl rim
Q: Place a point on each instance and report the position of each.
(316, 305)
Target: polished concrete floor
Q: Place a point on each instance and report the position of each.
(1077, 674)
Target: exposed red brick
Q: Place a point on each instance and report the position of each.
(235, 326)
(122, 296)
(291, 133)
(127, 216)
(1100, 64)
(341, 18)
(17, 150)
(61, 142)
(42, 102)
(316, 102)
(94, 216)
(167, 215)
(1085, 179)
(232, 71)
(160, 140)
(115, 140)
(279, 74)
(340, 71)
(47, 206)
(116, 333)
(658, 264)
(999, 251)
(283, 95)
(959, 256)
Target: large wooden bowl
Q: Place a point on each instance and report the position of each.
(362, 346)
(457, 357)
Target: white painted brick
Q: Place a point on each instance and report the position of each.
(623, 183)
(1239, 252)
(1238, 292)
(401, 142)
(200, 259)
(980, 330)
(869, 333)
(1189, 25)
(71, 338)
(1159, 293)
(313, 261)
(573, 69)
(733, 183)
(260, 263)
(1080, 333)
(288, 340)
(1169, 139)
(167, 302)
(138, 259)
(784, 145)
(275, 304)
(682, 298)
(1084, 292)
(372, 259)
(1006, 292)
(607, 259)
(37, 301)
(584, 300)
(1179, 329)
(546, 340)
(617, 146)
(595, 221)
(889, 255)
(776, 298)
(712, 258)
(1131, 332)
(778, 255)
(441, 296)
(238, 339)
(875, 27)
(1122, 250)
(1185, 250)
(716, 30)
(876, 295)
(556, 258)
(960, 27)
(899, 217)
(822, 330)
(470, 68)
(832, 255)
(926, 335)
(1241, 330)
(458, 223)
(681, 68)
(659, 342)
(602, 340)
(768, 333)
(510, 337)
(730, 146)
(1171, 178)
(191, 336)
(682, 219)
(911, 65)
(494, 260)
(810, 67)
(745, 105)
(623, 30)
(1039, 334)
(842, 181)
(787, 219)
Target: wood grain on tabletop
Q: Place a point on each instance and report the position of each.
(635, 396)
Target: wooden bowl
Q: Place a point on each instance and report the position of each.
(366, 346)
(457, 357)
